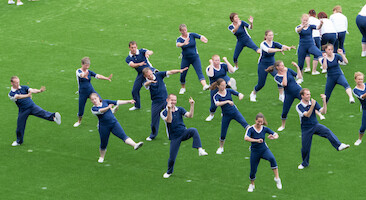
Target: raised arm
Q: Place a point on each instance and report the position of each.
(310, 111)
(221, 103)
(136, 65)
(169, 116)
(210, 71)
(323, 110)
(325, 63)
(299, 73)
(229, 66)
(191, 110)
(340, 52)
(23, 96)
(148, 53)
(287, 48)
(103, 110)
(251, 22)
(104, 78)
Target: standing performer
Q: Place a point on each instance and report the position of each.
(256, 134)
(310, 126)
(187, 41)
(177, 131)
(360, 92)
(243, 39)
(340, 23)
(306, 42)
(266, 59)
(316, 36)
(335, 74)
(286, 78)
(108, 123)
(229, 110)
(327, 31)
(361, 24)
(159, 94)
(138, 59)
(217, 70)
(22, 96)
(83, 76)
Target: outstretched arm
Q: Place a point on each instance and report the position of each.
(203, 39)
(42, 89)
(174, 71)
(104, 78)
(121, 102)
(148, 53)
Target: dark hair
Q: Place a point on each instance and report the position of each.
(266, 33)
(214, 85)
(312, 13)
(327, 45)
(322, 15)
(302, 92)
(260, 115)
(232, 15)
(272, 67)
(144, 71)
(12, 78)
(131, 43)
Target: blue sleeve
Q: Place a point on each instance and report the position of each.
(95, 110)
(317, 106)
(26, 87)
(231, 27)
(300, 109)
(182, 110)
(224, 65)
(216, 98)
(195, 35)
(143, 51)
(278, 79)
(243, 23)
(268, 130)
(93, 74)
(232, 91)
(128, 59)
(277, 45)
(164, 114)
(180, 40)
(358, 93)
(292, 72)
(110, 101)
(312, 27)
(249, 132)
(339, 57)
(162, 74)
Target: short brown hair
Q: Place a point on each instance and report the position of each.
(232, 15)
(144, 71)
(182, 26)
(337, 8)
(312, 13)
(13, 77)
(85, 61)
(302, 92)
(322, 15)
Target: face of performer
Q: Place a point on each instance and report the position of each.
(259, 121)
(172, 99)
(216, 61)
(85, 66)
(183, 31)
(95, 99)
(133, 48)
(359, 80)
(306, 96)
(269, 36)
(280, 67)
(222, 86)
(236, 19)
(329, 50)
(15, 83)
(305, 20)
(149, 75)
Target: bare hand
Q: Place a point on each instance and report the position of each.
(241, 96)
(260, 140)
(182, 70)
(271, 137)
(191, 101)
(230, 102)
(313, 102)
(110, 77)
(250, 19)
(323, 96)
(86, 74)
(29, 94)
(169, 105)
(210, 61)
(186, 41)
(294, 64)
(324, 55)
(43, 88)
(340, 51)
(132, 101)
(110, 106)
(225, 59)
(321, 22)
(142, 63)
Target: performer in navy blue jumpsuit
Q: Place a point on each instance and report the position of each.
(360, 92)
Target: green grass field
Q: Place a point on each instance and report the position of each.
(43, 42)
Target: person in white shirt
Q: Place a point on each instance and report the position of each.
(316, 36)
(361, 24)
(327, 31)
(340, 23)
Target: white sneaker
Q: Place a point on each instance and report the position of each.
(57, 118)
(206, 87)
(220, 150)
(236, 68)
(138, 145)
(343, 147)
(281, 97)
(342, 63)
(114, 109)
(307, 70)
(300, 166)
(209, 118)
(149, 139)
(133, 108)
(358, 142)
(321, 117)
(315, 73)
(100, 160)
(253, 97)
(351, 100)
(19, 3)
(363, 54)
(299, 81)
(182, 90)
(251, 188)
(166, 175)
(11, 2)
(233, 84)
(202, 152)
(324, 71)
(15, 143)
(278, 183)
(77, 124)
(281, 128)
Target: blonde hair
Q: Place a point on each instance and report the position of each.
(145, 70)
(85, 61)
(337, 8)
(357, 74)
(182, 26)
(305, 15)
(12, 78)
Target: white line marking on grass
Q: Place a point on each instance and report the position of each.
(230, 49)
(246, 158)
(148, 110)
(30, 150)
(107, 165)
(7, 87)
(130, 81)
(101, 30)
(91, 130)
(52, 44)
(44, 188)
(188, 181)
(351, 116)
(274, 196)
(165, 143)
(76, 98)
(38, 21)
(62, 71)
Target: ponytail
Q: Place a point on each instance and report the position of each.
(216, 84)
